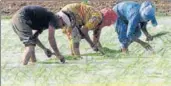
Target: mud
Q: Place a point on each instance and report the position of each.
(9, 7)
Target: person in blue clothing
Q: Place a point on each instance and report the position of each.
(132, 19)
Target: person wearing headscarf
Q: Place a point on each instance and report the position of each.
(132, 18)
(82, 18)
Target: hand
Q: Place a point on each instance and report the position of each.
(62, 59)
(149, 38)
(147, 46)
(99, 48)
(94, 47)
(48, 52)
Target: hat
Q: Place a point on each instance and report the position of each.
(64, 17)
(109, 14)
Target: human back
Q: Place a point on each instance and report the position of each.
(37, 17)
(127, 9)
(82, 12)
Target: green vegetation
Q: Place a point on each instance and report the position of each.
(138, 68)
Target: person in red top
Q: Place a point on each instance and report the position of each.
(79, 30)
(109, 18)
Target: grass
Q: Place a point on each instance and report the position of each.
(138, 68)
(6, 17)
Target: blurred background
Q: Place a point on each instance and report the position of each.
(9, 7)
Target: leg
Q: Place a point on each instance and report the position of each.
(25, 34)
(29, 52)
(71, 47)
(33, 57)
(121, 29)
(74, 42)
(76, 49)
(68, 33)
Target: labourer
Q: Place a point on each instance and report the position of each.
(81, 18)
(28, 23)
(132, 18)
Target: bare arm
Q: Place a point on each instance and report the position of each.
(131, 36)
(84, 31)
(38, 42)
(52, 40)
(144, 44)
(96, 37)
(144, 30)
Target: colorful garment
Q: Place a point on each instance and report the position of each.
(85, 15)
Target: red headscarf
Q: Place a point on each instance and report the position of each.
(109, 16)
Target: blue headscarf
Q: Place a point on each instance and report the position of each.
(147, 12)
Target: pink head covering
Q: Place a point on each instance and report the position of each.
(109, 16)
